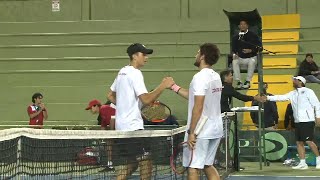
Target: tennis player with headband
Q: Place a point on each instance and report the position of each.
(129, 92)
(204, 96)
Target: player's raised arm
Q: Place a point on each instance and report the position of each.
(150, 97)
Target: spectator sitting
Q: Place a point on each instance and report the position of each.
(289, 118)
(309, 69)
(271, 116)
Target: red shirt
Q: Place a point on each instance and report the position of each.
(38, 120)
(105, 113)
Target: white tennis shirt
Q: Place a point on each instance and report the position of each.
(207, 83)
(129, 85)
(304, 102)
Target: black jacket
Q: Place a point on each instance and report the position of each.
(249, 41)
(305, 68)
(228, 92)
(270, 117)
(288, 118)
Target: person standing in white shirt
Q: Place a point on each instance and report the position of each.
(306, 111)
(204, 96)
(129, 93)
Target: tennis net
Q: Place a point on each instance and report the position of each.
(27, 153)
(84, 154)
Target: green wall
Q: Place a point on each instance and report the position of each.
(76, 10)
(39, 10)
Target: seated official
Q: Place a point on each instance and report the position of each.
(244, 49)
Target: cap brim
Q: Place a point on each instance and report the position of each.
(148, 51)
(87, 108)
(295, 78)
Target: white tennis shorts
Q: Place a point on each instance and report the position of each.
(203, 154)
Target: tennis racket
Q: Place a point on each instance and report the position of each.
(176, 159)
(156, 112)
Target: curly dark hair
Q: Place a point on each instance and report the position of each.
(211, 53)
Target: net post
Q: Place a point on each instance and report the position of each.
(236, 145)
(226, 140)
(19, 155)
(171, 141)
(261, 131)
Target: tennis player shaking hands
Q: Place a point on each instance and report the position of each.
(204, 110)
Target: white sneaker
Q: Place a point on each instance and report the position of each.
(318, 165)
(246, 85)
(239, 85)
(301, 166)
(288, 161)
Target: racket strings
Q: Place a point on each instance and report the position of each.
(155, 111)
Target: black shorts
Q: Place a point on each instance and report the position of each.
(129, 150)
(304, 131)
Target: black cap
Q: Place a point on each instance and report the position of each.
(137, 47)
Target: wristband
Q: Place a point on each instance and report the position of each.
(189, 132)
(175, 88)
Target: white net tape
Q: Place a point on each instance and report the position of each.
(12, 133)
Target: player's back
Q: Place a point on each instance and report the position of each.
(212, 105)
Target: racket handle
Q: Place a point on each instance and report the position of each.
(201, 122)
(175, 88)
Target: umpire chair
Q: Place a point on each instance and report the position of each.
(255, 25)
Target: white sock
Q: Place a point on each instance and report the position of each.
(109, 163)
(302, 161)
(318, 158)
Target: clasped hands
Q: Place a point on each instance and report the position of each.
(260, 98)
